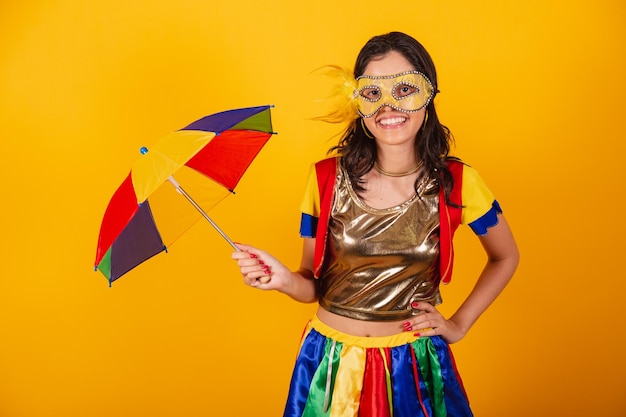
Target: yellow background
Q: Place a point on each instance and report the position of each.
(533, 91)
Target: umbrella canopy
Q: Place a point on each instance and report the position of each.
(208, 157)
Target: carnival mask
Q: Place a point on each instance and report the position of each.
(407, 92)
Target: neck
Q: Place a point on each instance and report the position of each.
(398, 174)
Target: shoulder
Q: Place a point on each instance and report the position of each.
(461, 170)
(464, 172)
(477, 199)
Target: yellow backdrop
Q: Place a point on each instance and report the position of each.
(533, 91)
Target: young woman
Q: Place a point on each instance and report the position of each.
(378, 220)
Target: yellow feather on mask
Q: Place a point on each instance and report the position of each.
(343, 95)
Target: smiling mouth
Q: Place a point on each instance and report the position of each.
(392, 121)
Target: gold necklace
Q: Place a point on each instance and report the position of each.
(398, 174)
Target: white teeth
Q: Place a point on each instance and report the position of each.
(392, 121)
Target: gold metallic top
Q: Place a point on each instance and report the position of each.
(381, 260)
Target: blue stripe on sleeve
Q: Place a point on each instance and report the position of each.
(487, 220)
(308, 225)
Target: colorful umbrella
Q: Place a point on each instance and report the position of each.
(208, 157)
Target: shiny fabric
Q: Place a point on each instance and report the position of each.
(407, 92)
(399, 376)
(381, 260)
(474, 205)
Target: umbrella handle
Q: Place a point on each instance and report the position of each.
(197, 206)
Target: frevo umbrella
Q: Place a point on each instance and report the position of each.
(208, 158)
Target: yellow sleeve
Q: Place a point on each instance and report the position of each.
(310, 206)
(477, 198)
(311, 201)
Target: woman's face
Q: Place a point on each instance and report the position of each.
(390, 126)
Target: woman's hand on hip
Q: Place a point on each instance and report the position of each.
(430, 322)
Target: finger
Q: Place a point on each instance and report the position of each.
(242, 247)
(426, 333)
(252, 251)
(240, 255)
(257, 270)
(252, 266)
(427, 321)
(246, 264)
(422, 306)
(419, 329)
(250, 262)
(245, 251)
(252, 278)
(413, 325)
(248, 280)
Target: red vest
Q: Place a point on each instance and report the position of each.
(449, 217)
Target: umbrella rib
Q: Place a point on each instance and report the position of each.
(197, 206)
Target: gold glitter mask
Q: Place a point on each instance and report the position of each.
(407, 92)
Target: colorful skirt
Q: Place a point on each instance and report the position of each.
(340, 375)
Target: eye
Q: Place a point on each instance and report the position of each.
(370, 93)
(404, 90)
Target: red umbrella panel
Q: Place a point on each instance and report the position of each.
(208, 158)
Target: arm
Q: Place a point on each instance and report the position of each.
(263, 271)
(502, 260)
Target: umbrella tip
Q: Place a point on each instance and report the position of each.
(143, 150)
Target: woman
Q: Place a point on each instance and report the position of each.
(378, 221)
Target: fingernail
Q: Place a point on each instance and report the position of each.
(408, 328)
(414, 304)
(261, 262)
(418, 334)
(253, 256)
